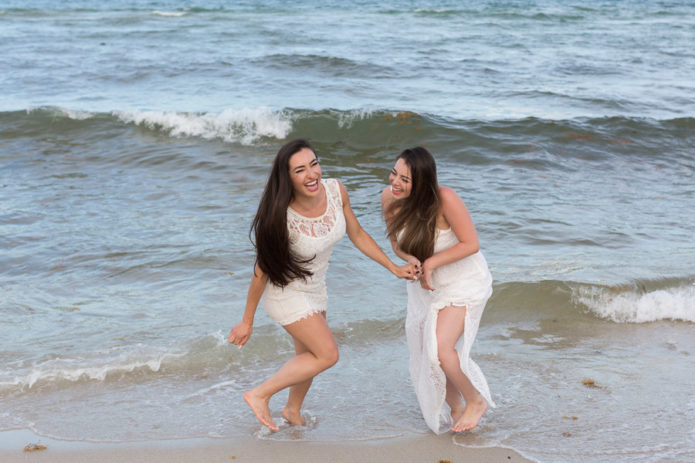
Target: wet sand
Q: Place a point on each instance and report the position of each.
(429, 448)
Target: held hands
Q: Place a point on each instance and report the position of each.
(240, 334)
(415, 262)
(410, 271)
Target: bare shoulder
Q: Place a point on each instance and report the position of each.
(386, 197)
(448, 195)
(452, 204)
(343, 191)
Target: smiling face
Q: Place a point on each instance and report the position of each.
(305, 173)
(401, 180)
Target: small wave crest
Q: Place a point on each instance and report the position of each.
(347, 118)
(640, 301)
(244, 126)
(637, 304)
(130, 362)
(60, 371)
(382, 130)
(174, 14)
(57, 112)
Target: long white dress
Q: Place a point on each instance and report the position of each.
(468, 283)
(310, 237)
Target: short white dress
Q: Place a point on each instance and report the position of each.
(310, 237)
(466, 282)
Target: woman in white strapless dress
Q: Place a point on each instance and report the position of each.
(430, 227)
(299, 219)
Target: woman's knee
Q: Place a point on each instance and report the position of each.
(329, 357)
(447, 355)
(333, 356)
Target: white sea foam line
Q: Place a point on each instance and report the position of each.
(220, 338)
(346, 119)
(60, 369)
(53, 373)
(633, 307)
(214, 387)
(245, 126)
(72, 114)
(168, 13)
(77, 115)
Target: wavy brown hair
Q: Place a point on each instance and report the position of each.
(416, 215)
(269, 227)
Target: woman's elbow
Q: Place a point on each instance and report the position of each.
(470, 247)
(356, 234)
(475, 247)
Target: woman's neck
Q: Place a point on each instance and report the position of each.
(310, 206)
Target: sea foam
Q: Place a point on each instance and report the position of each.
(635, 306)
(244, 126)
(62, 112)
(74, 370)
(119, 362)
(175, 14)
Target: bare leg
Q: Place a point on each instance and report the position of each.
(451, 322)
(321, 353)
(292, 411)
(453, 398)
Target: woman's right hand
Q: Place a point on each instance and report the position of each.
(240, 334)
(407, 271)
(416, 266)
(410, 271)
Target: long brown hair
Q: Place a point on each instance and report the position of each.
(269, 227)
(416, 215)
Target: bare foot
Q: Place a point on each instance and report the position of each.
(472, 414)
(456, 413)
(260, 408)
(293, 417)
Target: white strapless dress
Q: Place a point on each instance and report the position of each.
(468, 283)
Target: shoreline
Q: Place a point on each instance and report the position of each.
(428, 448)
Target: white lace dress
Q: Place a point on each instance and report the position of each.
(309, 237)
(468, 283)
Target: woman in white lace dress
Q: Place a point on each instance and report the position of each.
(299, 219)
(430, 227)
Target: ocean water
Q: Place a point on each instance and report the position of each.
(135, 140)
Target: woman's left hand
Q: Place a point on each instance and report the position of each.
(426, 278)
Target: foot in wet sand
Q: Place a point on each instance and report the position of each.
(260, 408)
(293, 417)
(472, 414)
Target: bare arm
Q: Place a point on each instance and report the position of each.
(365, 243)
(456, 214)
(242, 332)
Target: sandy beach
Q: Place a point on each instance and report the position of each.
(429, 448)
